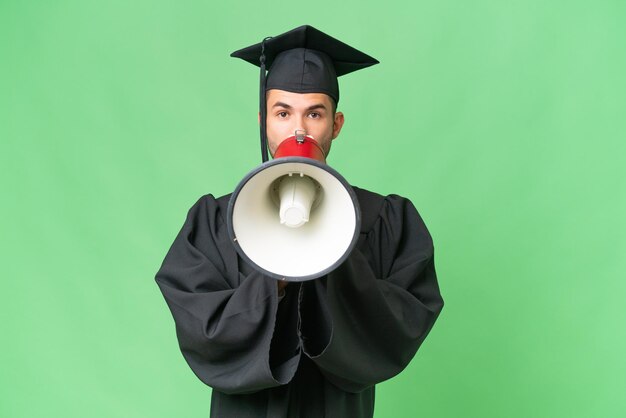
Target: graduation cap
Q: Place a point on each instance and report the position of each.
(303, 60)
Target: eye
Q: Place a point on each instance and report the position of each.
(282, 114)
(314, 115)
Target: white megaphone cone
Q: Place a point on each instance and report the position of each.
(294, 218)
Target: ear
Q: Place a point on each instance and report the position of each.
(259, 118)
(338, 124)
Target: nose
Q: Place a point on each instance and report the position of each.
(303, 125)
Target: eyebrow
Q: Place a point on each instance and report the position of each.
(281, 104)
(316, 106)
(312, 107)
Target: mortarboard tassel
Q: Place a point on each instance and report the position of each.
(263, 104)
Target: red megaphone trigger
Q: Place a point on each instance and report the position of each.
(300, 146)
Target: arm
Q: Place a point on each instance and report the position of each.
(365, 322)
(227, 324)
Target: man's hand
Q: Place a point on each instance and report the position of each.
(281, 287)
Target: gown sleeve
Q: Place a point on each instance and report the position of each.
(364, 322)
(227, 324)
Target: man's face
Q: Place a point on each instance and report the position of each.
(311, 112)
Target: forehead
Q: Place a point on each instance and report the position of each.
(297, 99)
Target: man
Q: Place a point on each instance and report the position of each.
(316, 348)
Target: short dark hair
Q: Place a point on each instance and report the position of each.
(334, 106)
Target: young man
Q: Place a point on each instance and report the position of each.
(319, 348)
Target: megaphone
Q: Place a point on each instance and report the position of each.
(294, 218)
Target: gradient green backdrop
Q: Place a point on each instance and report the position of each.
(503, 121)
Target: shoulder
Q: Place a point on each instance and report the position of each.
(375, 206)
(211, 203)
(208, 210)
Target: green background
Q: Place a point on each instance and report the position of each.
(503, 121)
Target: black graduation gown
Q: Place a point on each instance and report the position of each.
(320, 351)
